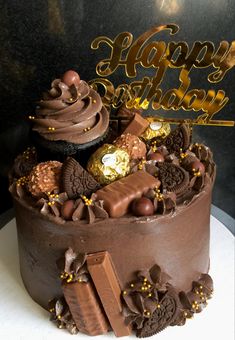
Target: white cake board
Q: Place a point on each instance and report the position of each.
(21, 318)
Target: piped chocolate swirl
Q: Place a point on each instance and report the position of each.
(71, 111)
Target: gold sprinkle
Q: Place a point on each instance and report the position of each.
(158, 306)
(94, 101)
(132, 285)
(124, 292)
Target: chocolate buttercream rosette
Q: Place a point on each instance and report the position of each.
(70, 120)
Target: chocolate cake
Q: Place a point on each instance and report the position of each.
(122, 243)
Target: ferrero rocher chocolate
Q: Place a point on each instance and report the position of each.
(44, 178)
(132, 145)
(156, 129)
(108, 164)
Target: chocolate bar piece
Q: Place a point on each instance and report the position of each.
(85, 308)
(118, 195)
(137, 125)
(106, 283)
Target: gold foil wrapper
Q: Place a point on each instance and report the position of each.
(108, 164)
(156, 129)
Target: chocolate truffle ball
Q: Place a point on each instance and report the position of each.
(45, 178)
(67, 209)
(132, 145)
(197, 167)
(142, 206)
(70, 78)
(156, 156)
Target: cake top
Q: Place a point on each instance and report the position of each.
(142, 168)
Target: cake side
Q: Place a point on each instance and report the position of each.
(179, 242)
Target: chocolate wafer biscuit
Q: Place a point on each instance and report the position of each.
(76, 180)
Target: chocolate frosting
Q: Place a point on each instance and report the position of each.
(178, 241)
(71, 113)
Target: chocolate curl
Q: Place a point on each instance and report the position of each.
(105, 280)
(85, 308)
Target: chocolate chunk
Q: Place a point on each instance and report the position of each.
(162, 317)
(103, 275)
(125, 112)
(85, 308)
(118, 195)
(137, 125)
(173, 178)
(178, 140)
(76, 180)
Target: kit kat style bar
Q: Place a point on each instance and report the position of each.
(118, 195)
(106, 283)
(85, 308)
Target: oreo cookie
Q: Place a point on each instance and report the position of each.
(173, 178)
(76, 180)
(162, 317)
(178, 140)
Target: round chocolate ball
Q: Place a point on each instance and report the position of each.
(70, 78)
(156, 156)
(197, 166)
(142, 206)
(67, 209)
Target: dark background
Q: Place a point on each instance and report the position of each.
(39, 40)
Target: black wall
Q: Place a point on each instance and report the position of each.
(39, 40)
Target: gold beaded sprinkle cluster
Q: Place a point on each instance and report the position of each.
(197, 145)
(28, 152)
(68, 277)
(86, 129)
(146, 287)
(86, 200)
(22, 181)
(196, 173)
(141, 164)
(52, 198)
(51, 128)
(202, 297)
(158, 195)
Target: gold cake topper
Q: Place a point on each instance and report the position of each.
(161, 56)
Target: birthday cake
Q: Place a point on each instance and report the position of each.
(113, 215)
